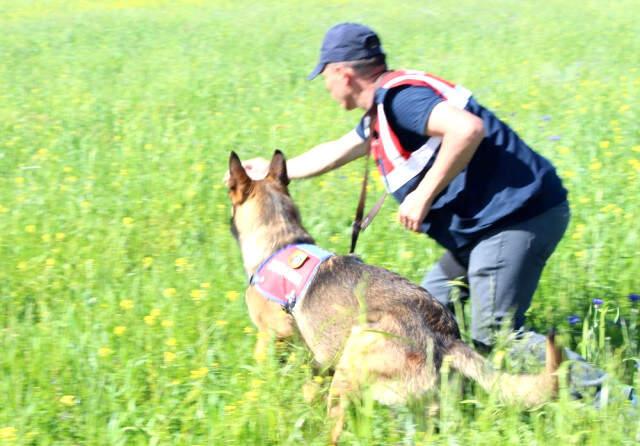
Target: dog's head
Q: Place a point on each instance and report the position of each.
(261, 206)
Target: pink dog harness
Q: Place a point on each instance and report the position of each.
(285, 277)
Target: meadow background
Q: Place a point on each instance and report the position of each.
(121, 312)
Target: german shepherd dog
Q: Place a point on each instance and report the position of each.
(373, 327)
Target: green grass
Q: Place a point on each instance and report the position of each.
(121, 317)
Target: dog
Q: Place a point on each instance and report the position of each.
(373, 327)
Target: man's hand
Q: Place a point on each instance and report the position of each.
(413, 210)
(257, 169)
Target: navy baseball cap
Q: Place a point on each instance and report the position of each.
(345, 42)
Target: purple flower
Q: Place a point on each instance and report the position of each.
(597, 302)
(573, 319)
(633, 297)
(555, 138)
(546, 118)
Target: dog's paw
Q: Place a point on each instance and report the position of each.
(261, 348)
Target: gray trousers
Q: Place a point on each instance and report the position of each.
(502, 270)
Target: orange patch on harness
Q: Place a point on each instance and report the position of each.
(297, 259)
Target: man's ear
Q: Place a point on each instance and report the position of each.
(278, 168)
(239, 182)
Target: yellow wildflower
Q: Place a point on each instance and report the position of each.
(60, 236)
(181, 262)
(169, 292)
(232, 295)
(604, 144)
(169, 357)
(171, 342)
(7, 433)
(608, 208)
(595, 165)
(196, 294)
(205, 285)
(251, 395)
(406, 254)
(127, 221)
(147, 261)
(30, 229)
(126, 304)
(199, 373)
(68, 400)
(119, 330)
(221, 322)
(248, 330)
(46, 238)
(103, 352)
(167, 323)
(149, 320)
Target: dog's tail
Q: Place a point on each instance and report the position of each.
(527, 389)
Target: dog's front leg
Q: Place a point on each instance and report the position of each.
(337, 403)
(269, 318)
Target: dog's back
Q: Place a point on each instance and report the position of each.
(347, 292)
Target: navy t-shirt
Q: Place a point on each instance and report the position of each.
(504, 183)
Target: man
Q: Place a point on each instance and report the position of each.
(459, 173)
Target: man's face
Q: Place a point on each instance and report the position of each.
(338, 82)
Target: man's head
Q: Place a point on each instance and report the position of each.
(348, 42)
(351, 58)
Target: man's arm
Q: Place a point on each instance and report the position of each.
(461, 134)
(327, 156)
(317, 160)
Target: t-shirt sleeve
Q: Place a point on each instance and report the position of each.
(409, 108)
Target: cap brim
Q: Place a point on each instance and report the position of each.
(316, 71)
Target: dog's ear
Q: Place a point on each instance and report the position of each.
(239, 182)
(278, 168)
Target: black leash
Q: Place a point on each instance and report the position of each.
(359, 223)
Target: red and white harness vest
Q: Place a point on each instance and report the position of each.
(286, 275)
(397, 165)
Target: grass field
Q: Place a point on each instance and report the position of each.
(121, 313)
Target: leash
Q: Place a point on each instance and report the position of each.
(359, 223)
